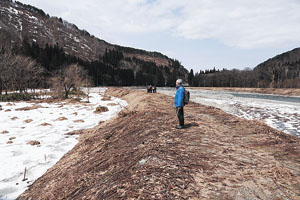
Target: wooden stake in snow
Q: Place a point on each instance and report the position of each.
(24, 179)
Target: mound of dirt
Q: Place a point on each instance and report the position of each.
(112, 104)
(100, 109)
(34, 143)
(106, 98)
(140, 155)
(61, 119)
(5, 132)
(78, 121)
(29, 108)
(46, 124)
(28, 121)
(77, 132)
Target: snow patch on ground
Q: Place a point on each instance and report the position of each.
(32, 17)
(48, 124)
(76, 39)
(13, 10)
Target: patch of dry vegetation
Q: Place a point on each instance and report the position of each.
(112, 104)
(61, 119)
(28, 121)
(100, 109)
(45, 124)
(78, 121)
(5, 132)
(34, 143)
(106, 98)
(28, 108)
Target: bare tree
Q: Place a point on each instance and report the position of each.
(18, 73)
(28, 74)
(70, 77)
(6, 65)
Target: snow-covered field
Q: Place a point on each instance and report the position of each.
(48, 125)
(280, 113)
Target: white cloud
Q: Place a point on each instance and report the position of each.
(238, 23)
(245, 24)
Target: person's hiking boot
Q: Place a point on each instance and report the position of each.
(179, 127)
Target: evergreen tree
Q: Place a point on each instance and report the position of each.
(191, 78)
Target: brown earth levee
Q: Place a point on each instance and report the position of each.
(140, 155)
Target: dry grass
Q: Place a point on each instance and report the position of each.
(106, 98)
(34, 142)
(78, 121)
(28, 121)
(61, 119)
(100, 109)
(5, 132)
(45, 124)
(28, 108)
(112, 104)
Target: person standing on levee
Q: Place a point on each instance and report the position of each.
(179, 103)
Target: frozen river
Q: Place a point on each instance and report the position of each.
(279, 112)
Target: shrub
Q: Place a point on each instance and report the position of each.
(17, 97)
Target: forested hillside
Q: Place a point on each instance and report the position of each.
(282, 71)
(54, 43)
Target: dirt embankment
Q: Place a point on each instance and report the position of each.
(140, 155)
(276, 91)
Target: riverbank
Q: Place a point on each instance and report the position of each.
(139, 154)
(276, 91)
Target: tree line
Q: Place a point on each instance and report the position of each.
(285, 75)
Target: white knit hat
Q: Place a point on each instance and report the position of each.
(179, 81)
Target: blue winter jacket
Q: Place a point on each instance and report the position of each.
(178, 100)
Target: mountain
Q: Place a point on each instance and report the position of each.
(280, 71)
(24, 25)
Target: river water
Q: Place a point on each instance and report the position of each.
(279, 112)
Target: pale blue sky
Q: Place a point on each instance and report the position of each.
(202, 34)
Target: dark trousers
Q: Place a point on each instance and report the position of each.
(180, 116)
